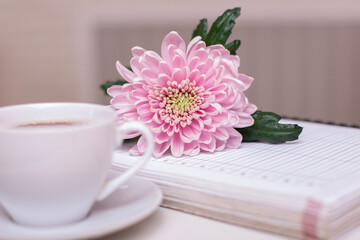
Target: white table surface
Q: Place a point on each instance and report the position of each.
(167, 224)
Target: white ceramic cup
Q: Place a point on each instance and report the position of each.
(53, 174)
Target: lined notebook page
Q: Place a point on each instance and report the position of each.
(323, 155)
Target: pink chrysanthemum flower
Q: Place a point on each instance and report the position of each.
(191, 98)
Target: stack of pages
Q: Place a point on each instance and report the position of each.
(307, 188)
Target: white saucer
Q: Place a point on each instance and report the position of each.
(130, 204)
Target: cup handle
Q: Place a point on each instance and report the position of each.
(113, 184)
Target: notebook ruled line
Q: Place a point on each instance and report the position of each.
(321, 156)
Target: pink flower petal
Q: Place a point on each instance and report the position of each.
(213, 109)
(185, 139)
(197, 126)
(114, 90)
(144, 108)
(129, 87)
(209, 82)
(220, 73)
(220, 119)
(207, 120)
(139, 148)
(192, 149)
(250, 108)
(232, 120)
(230, 68)
(172, 38)
(144, 73)
(178, 62)
(195, 44)
(136, 66)
(215, 47)
(124, 72)
(142, 103)
(233, 98)
(220, 145)
(140, 94)
(236, 60)
(234, 142)
(211, 74)
(151, 59)
(164, 68)
(212, 127)
(219, 97)
(221, 134)
(150, 73)
(119, 95)
(177, 146)
(137, 51)
(131, 135)
(238, 86)
(210, 147)
(161, 137)
(177, 128)
(126, 110)
(241, 104)
(232, 132)
(210, 99)
(194, 62)
(219, 88)
(178, 75)
(202, 54)
(156, 118)
(201, 81)
(134, 150)
(154, 127)
(190, 133)
(172, 53)
(146, 117)
(142, 144)
(171, 130)
(246, 80)
(245, 120)
(163, 80)
(182, 56)
(130, 116)
(194, 75)
(138, 101)
(205, 137)
(160, 149)
(205, 67)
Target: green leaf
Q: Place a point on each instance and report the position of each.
(201, 29)
(233, 46)
(222, 27)
(267, 129)
(108, 84)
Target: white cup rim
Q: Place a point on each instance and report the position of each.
(98, 107)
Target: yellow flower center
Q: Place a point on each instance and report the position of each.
(180, 102)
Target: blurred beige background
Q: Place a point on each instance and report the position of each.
(304, 55)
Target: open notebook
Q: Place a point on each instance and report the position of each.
(307, 188)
